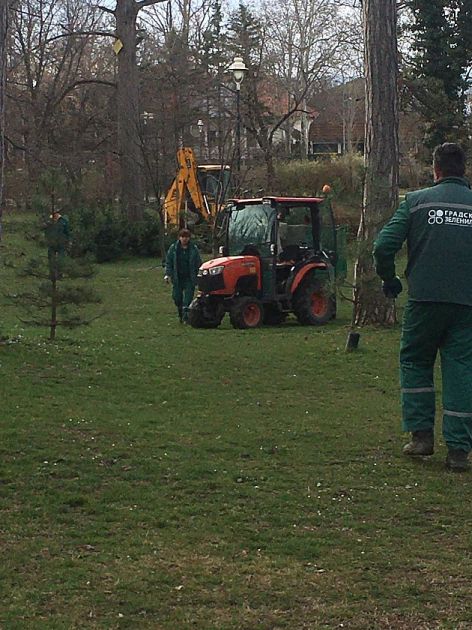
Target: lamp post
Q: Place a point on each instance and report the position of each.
(238, 68)
(147, 118)
(201, 125)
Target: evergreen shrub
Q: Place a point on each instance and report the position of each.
(106, 233)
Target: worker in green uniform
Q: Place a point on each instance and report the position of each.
(182, 264)
(436, 223)
(57, 234)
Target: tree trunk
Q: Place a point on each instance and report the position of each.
(381, 156)
(129, 137)
(35, 145)
(3, 70)
(53, 324)
(304, 129)
(270, 168)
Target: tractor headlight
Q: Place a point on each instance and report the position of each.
(214, 271)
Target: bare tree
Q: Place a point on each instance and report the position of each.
(309, 42)
(182, 52)
(52, 37)
(4, 22)
(381, 155)
(3, 57)
(48, 56)
(319, 36)
(288, 49)
(128, 105)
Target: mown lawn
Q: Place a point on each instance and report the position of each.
(156, 476)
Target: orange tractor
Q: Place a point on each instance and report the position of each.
(281, 255)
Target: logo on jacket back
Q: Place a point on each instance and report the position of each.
(436, 217)
(450, 217)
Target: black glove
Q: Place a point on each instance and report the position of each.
(392, 288)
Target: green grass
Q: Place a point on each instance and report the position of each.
(156, 476)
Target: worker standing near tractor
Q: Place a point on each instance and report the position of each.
(436, 222)
(182, 264)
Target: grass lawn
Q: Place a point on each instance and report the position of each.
(156, 476)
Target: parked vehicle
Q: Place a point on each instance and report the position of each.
(280, 256)
(197, 192)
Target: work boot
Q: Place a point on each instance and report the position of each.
(457, 460)
(422, 444)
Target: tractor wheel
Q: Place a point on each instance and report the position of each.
(313, 305)
(200, 316)
(246, 312)
(273, 316)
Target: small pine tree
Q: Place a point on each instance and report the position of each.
(58, 295)
(58, 289)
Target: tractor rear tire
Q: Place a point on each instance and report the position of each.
(273, 316)
(246, 312)
(198, 316)
(313, 304)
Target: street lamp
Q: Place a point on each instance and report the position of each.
(201, 125)
(147, 116)
(238, 68)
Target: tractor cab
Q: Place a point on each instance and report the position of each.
(214, 182)
(283, 232)
(277, 250)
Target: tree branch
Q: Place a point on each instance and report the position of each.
(14, 145)
(147, 3)
(73, 33)
(105, 9)
(85, 81)
(72, 86)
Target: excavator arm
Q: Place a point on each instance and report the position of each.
(185, 187)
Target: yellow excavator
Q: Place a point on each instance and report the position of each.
(197, 192)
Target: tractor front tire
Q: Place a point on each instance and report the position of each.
(313, 304)
(246, 312)
(200, 317)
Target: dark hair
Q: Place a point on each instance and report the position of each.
(185, 232)
(449, 158)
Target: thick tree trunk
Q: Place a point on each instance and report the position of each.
(381, 155)
(3, 71)
(129, 137)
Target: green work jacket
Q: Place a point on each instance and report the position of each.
(436, 223)
(172, 269)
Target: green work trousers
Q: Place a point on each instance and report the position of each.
(429, 328)
(182, 294)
